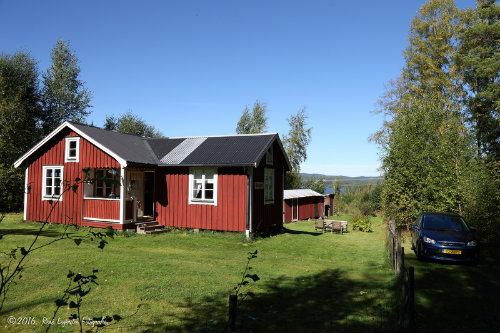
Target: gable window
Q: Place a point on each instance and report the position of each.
(203, 186)
(269, 156)
(72, 149)
(106, 183)
(52, 183)
(268, 186)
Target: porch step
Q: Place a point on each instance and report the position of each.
(149, 227)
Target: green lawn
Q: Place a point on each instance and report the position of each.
(309, 281)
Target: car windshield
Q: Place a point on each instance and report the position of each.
(444, 222)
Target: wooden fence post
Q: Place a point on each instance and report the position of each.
(233, 305)
(411, 298)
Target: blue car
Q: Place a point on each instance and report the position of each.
(444, 237)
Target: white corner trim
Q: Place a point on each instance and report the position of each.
(25, 192)
(123, 183)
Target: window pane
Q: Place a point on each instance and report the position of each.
(49, 172)
(57, 190)
(72, 153)
(209, 174)
(72, 145)
(48, 191)
(57, 172)
(99, 173)
(197, 190)
(209, 186)
(99, 192)
(209, 194)
(48, 182)
(198, 174)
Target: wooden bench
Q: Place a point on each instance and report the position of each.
(333, 225)
(320, 224)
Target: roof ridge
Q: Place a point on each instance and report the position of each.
(222, 136)
(108, 130)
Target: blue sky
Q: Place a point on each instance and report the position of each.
(190, 67)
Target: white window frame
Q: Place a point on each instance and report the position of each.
(68, 158)
(202, 201)
(269, 156)
(268, 186)
(58, 197)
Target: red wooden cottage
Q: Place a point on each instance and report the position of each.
(232, 183)
(302, 204)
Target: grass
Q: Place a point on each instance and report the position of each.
(309, 281)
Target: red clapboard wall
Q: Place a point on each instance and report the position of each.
(70, 209)
(172, 200)
(266, 215)
(306, 208)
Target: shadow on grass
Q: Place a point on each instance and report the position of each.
(30, 232)
(456, 297)
(300, 232)
(328, 301)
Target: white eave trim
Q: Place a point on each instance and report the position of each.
(79, 132)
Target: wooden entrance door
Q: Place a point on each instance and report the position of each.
(149, 193)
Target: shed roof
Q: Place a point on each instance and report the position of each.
(300, 193)
(229, 150)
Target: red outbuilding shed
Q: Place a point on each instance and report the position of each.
(230, 183)
(302, 204)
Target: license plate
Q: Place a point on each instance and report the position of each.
(448, 251)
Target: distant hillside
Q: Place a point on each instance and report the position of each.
(344, 180)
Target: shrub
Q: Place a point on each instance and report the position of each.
(362, 223)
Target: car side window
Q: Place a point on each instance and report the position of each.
(417, 222)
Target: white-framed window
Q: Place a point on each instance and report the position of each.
(106, 184)
(52, 182)
(268, 186)
(269, 156)
(72, 149)
(203, 186)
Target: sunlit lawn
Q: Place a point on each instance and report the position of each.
(309, 281)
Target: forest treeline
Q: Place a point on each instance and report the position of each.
(440, 141)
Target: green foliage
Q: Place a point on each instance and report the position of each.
(64, 95)
(315, 184)
(296, 141)
(292, 180)
(427, 148)
(478, 60)
(132, 124)
(20, 115)
(362, 223)
(361, 199)
(254, 122)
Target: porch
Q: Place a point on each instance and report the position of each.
(118, 198)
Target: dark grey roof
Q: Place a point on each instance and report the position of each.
(131, 148)
(230, 150)
(237, 150)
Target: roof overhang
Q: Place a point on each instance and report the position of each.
(277, 138)
(23, 158)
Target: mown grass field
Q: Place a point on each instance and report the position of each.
(309, 281)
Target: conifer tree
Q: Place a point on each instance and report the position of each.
(64, 94)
